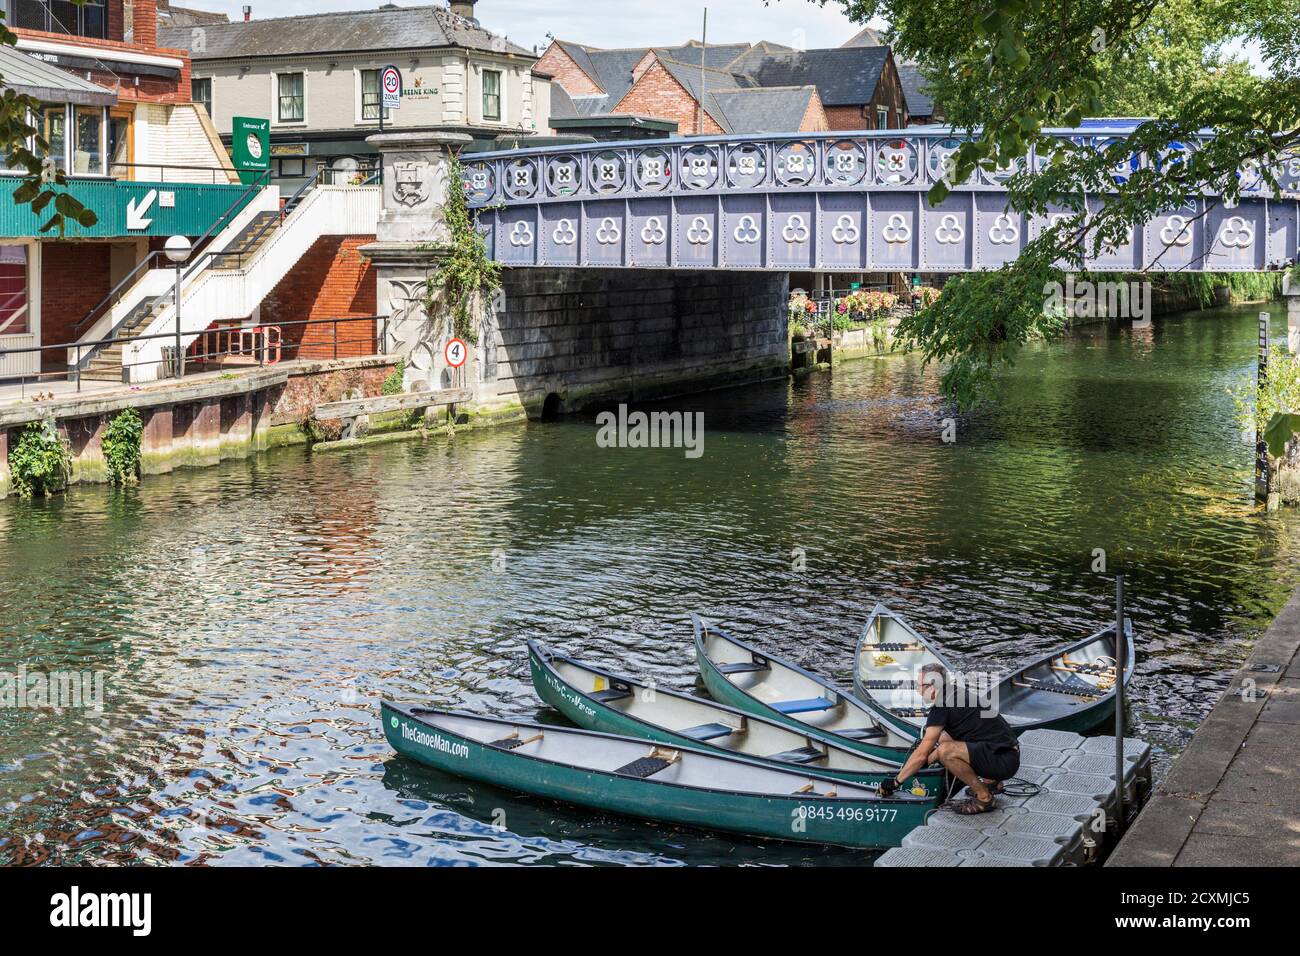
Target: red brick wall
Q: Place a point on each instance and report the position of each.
(332, 281)
(566, 73)
(889, 93)
(74, 279)
(848, 117)
(144, 20)
(116, 19)
(657, 94)
(152, 88)
(814, 118)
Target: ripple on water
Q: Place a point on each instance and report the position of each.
(247, 618)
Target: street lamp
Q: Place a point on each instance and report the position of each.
(178, 250)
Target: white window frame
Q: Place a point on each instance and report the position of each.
(501, 94)
(359, 104)
(211, 105)
(275, 98)
(882, 117)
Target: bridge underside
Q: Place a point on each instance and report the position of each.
(866, 232)
(592, 338)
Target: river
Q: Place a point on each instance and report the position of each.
(247, 618)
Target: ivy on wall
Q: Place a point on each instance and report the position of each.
(122, 447)
(39, 462)
(465, 270)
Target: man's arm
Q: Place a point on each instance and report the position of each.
(921, 755)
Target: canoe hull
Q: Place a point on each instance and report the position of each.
(855, 823)
(593, 715)
(725, 692)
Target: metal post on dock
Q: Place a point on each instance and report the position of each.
(1121, 653)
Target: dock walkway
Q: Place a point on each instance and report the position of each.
(1062, 825)
(1233, 796)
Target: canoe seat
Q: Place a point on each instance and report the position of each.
(889, 684)
(1059, 688)
(745, 667)
(909, 711)
(707, 731)
(617, 692)
(513, 741)
(643, 767)
(800, 755)
(802, 706)
(893, 647)
(863, 733)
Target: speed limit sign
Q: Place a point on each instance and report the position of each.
(391, 80)
(456, 352)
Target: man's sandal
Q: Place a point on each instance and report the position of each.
(973, 805)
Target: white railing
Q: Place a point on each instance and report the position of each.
(157, 281)
(219, 295)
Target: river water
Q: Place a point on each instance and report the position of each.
(248, 618)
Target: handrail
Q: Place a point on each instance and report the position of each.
(130, 279)
(165, 166)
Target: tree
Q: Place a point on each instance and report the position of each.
(1007, 70)
(44, 183)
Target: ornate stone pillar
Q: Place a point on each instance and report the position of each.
(411, 237)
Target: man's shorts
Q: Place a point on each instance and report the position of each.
(993, 761)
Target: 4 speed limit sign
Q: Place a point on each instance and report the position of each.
(456, 352)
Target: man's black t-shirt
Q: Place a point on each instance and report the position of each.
(969, 724)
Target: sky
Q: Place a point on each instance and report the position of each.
(626, 23)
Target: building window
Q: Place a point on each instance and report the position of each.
(15, 317)
(882, 117)
(492, 94)
(201, 92)
(371, 97)
(53, 126)
(293, 168)
(87, 147)
(61, 16)
(290, 90)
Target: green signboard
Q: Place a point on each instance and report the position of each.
(250, 147)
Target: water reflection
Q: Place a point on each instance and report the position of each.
(248, 617)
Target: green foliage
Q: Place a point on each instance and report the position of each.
(393, 384)
(1279, 431)
(39, 462)
(880, 334)
(122, 447)
(1006, 71)
(1257, 403)
(465, 271)
(41, 183)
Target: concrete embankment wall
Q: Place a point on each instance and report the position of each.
(198, 421)
(591, 337)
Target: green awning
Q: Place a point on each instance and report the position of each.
(31, 77)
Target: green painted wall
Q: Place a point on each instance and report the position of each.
(132, 209)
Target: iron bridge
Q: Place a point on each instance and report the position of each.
(849, 202)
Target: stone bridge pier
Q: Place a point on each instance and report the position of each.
(555, 340)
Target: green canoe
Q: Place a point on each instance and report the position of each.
(600, 700)
(1071, 688)
(738, 674)
(638, 778)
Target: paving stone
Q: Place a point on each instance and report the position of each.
(914, 856)
(1040, 757)
(1036, 851)
(1134, 749)
(1217, 849)
(1283, 705)
(945, 838)
(1050, 739)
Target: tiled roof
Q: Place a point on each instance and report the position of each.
(764, 110)
(867, 36)
(845, 76)
(918, 103)
(388, 28)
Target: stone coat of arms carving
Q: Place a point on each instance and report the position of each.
(410, 187)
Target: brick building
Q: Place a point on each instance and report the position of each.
(116, 111)
(728, 88)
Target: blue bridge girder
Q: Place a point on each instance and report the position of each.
(842, 201)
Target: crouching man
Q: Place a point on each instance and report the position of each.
(975, 744)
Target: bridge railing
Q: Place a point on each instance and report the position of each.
(879, 160)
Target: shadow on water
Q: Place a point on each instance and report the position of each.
(247, 618)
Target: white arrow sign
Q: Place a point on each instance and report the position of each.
(135, 215)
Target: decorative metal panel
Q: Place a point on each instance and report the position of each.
(605, 238)
(1283, 232)
(744, 220)
(1235, 238)
(560, 232)
(792, 236)
(999, 231)
(1174, 240)
(517, 236)
(650, 230)
(894, 224)
(695, 237)
(841, 231)
(946, 234)
(1125, 257)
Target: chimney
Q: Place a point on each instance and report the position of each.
(144, 23)
(463, 8)
(248, 14)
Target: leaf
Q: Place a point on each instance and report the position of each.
(938, 193)
(1279, 432)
